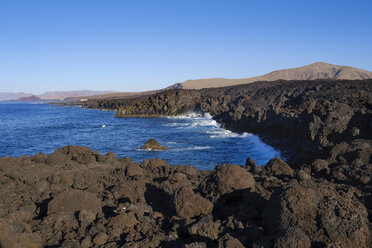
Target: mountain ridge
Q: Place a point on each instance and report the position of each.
(317, 70)
(51, 95)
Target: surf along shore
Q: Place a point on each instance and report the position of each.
(320, 197)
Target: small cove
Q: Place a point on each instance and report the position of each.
(27, 129)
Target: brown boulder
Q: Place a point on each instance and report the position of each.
(320, 166)
(134, 170)
(206, 228)
(278, 167)
(227, 178)
(251, 165)
(57, 157)
(12, 237)
(100, 238)
(292, 238)
(153, 144)
(189, 204)
(80, 154)
(325, 214)
(230, 241)
(73, 200)
(124, 219)
(302, 175)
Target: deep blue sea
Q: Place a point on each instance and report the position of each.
(29, 128)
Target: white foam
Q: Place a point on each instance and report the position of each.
(177, 124)
(190, 115)
(226, 134)
(192, 148)
(176, 149)
(103, 126)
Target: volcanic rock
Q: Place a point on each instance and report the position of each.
(153, 144)
(205, 227)
(319, 196)
(189, 204)
(100, 238)
(278, 167)
(73, 200)
(226, 179)
(325, 214)
(292, 238)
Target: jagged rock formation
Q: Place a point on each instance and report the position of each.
(306, 120)
(153, 144)
(87, 199)
(322, 197)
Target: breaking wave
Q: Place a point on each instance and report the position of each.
(226, 134)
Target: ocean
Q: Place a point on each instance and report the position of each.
(30, 128)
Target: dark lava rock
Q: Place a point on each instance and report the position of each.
(252, 166)
(319, 197)
(196, 245)
(227, 178)
(152, 144)
(320, 166)
(57, 157)
(302, 175)
(189, 204)
(100, 238)
(73, 200)
(292, 238)
(278, 167)
(206, 228)
(230, 241)
(324, 213)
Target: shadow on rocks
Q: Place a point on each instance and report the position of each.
(159, 200)
(241, 204)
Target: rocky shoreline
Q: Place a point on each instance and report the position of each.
(320, 197)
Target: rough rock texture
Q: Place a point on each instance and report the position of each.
(73, 200)
(292, 238)
(325, 213)
(116, 202)
(320, 197)
(228, 178)
(305, 119)
(153, 144)
(188, 204)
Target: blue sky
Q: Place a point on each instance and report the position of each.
(139, 45)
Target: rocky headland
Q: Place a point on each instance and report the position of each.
(320, 197)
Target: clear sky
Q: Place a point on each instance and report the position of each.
(139, 45)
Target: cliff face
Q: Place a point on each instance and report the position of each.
(77, 197)
(304, 119)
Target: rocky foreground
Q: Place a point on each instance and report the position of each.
(76, 197)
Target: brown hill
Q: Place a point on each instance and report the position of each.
(54, 95)
(32, 98)
(6, 96)
(317, 70)
(113, 95)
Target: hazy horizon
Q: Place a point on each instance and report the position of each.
(140, 46)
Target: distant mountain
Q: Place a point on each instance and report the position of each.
(51, 95)
(5, 96)
(317, 70)
(113, 95)
(57, 95)
(32, 98)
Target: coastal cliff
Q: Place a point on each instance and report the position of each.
(321, 196)
(304, 119)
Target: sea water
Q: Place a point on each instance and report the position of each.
(30, 128)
